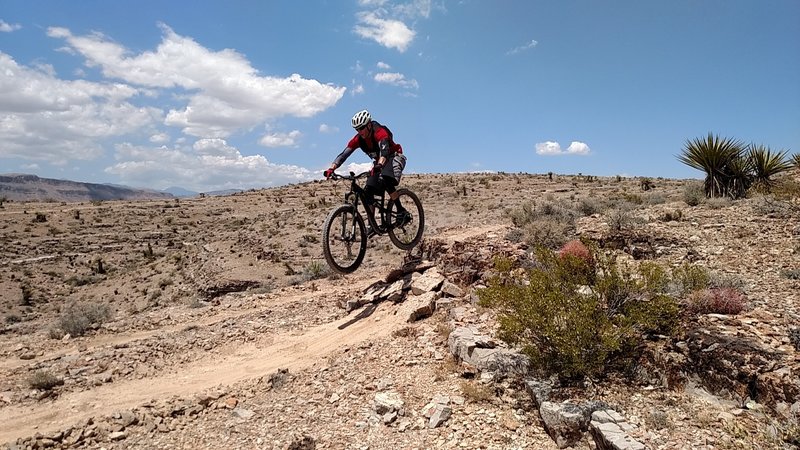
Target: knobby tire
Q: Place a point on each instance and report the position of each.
(403, 237)
(338, 230)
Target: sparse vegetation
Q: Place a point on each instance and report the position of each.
(476, 393)
(78, 318)
(27, 294)
(620, 219)
(792, 274)
(545, 224)
(688, 278)
(640, 300)
(314, 270)
(44, 380)
(693, 194)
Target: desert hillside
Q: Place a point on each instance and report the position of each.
(215, 323)
(23, 187)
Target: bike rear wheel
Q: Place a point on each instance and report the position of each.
(344, 239)
(407, 233)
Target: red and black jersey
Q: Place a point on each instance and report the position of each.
(380, 143)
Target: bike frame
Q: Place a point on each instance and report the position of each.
(358, 193)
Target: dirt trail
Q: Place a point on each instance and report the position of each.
(128, 337)
(292, 351)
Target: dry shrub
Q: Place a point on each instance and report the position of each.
(476, 393)
(44, 380)
(693, 193)
(546, 224)
(717, 301)
(547, 232)
(79, 318)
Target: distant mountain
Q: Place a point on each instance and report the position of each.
(25, 187)
(181, 192)
(224, 192)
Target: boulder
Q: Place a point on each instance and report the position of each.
(610, 431)
(470, 347)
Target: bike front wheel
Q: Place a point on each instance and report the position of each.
(406, 230)
(344, 239)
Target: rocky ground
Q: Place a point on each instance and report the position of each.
(223, 331)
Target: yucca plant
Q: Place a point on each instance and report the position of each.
(765, 164)
(715, 156)
(740, 176)
(795, 159)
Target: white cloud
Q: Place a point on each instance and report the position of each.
(47, 119)
(383, 66)
(357, 89)
(411, 9)
(388, 32)
(578, 148)
(159, 138)
(281, 139)
(357, 167)
(225, 93)
(550, 148)
(522, 48)
(396, 79)
(325, 128)
(210, 164)
(9, 27)
(415, 8)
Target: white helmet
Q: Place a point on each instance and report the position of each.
(361, 118)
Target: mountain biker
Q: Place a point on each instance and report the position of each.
(377, 142)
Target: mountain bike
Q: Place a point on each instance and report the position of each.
(344, 235)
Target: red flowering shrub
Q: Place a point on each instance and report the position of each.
(717, 301)
(577, 249)
(578, 259)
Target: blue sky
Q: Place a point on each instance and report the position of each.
(244, 93)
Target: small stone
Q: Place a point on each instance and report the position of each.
(118, 435)
(386, 402)
(440, 415)
(243, 413)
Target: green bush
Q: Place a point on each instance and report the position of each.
(688, 278)
(314, 271)
(574, 325)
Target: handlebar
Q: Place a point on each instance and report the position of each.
(352, 176)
